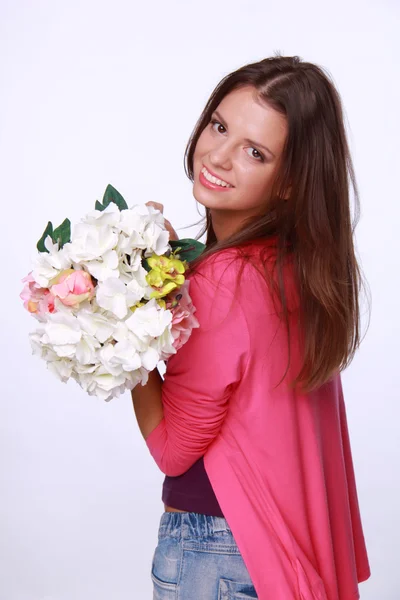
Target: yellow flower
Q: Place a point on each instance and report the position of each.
(171, 268)
(163, 290)
(162, 303)
(166, 274)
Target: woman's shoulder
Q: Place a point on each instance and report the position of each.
(223, 263)
(228, 262)
(249, 271)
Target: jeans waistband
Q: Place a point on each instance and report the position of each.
(188, 524)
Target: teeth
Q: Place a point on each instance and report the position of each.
(214, 179)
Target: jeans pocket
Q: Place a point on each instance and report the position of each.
(162, 590)
(234, 590)
(165, 569)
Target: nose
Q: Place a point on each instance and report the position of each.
(221, 156)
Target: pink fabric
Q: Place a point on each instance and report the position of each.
(279, 462)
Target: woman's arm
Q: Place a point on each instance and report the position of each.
(147, 403)
(191, 403)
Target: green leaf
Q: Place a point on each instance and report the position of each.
(99, 206)
(48, 231)
(62, 234)
(190, 249)
(112, 195)
(146, 265)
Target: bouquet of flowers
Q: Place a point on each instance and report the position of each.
(111, 298)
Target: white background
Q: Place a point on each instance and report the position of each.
(96, 92)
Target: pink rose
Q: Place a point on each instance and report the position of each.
(183, 319)
(37, 300)
(73, 287)
(46, 303)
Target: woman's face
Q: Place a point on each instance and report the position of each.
(250, 167)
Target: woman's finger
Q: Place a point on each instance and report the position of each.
(172, 233)
(156, 205)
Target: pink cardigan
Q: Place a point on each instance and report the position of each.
(280, 463)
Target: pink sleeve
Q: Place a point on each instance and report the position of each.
(202, 374)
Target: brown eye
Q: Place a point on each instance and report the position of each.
(260, 157)
(213, 121)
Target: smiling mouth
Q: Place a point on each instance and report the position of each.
(215, 180)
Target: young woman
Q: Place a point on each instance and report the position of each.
(249, 423)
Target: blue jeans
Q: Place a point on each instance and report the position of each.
(197, 558)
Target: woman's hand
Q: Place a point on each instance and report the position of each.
(172, 233)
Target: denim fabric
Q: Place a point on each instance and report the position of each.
(197, 558)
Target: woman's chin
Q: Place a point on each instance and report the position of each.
(205, 197)
(200, 198)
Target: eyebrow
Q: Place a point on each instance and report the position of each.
(216, 113)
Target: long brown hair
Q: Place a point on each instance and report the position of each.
(313, 226)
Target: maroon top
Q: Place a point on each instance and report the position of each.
(191, 491)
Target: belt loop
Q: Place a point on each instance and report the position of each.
(184, 526)
(220, 524)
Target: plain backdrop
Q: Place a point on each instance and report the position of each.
(96, 92)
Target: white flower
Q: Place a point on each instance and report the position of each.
(105, 381)
(47, 265)
(149, 321)
(138, 276)
(106, 355)
(156, 239)
(102, 384)
(90, 242)
(135, 261)
(144, 226)
(119, 357)
(62, 368)
(163, 344)
(126, 244)
(122, 333)
(126, 355)
(130, 265)
(135, 377)
(150, 358)
(132, 223)
(123, 357)
(105, 268)
(81, 369)
(136, 290)
(96, 324)
(113, 295)
(86, 349)
(62, 332)
(35, 338)
(110, 216)
(138, 217)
